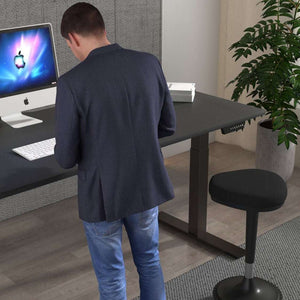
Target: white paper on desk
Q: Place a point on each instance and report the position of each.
(182, 91)
(181, 86)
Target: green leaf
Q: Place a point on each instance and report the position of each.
(296, 23)
(268, 3)
(271, 12)
(262, 22)
(249, 29)
(294, 130)
(276, 113)
(292, 138)
(287, 143)
(281, 138)
(247, 65)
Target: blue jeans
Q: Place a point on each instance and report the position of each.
(105, 246)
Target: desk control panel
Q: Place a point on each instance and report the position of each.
(36, 150)
(235, 127)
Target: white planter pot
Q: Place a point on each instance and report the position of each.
(270, 156)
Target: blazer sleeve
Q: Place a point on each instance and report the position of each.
(67, 127)
(167, 122)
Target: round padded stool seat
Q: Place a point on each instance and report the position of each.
(246, 189)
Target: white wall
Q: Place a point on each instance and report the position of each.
(190, 47)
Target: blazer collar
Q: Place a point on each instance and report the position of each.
(105, 49)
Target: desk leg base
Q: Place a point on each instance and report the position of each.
(203, 236)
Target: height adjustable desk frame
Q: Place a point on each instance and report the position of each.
(195, 121)
(197, 224)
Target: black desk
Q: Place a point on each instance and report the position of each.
(194, 120)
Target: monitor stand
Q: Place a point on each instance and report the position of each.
(19, 120)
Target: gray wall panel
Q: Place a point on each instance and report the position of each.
(32, 199)
(138, 25)
(19, 13)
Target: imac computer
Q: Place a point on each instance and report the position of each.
(28, 72)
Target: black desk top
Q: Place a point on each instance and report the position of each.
(205, 114)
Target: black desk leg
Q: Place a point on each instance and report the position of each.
(196, 227)
(199, 155)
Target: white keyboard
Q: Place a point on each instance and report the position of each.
(37, 150)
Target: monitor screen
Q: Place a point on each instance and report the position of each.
(27, 60)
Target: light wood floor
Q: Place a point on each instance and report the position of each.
(44, 255)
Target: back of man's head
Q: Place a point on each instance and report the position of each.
(84, 19)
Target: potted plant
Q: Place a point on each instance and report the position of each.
(271, 78)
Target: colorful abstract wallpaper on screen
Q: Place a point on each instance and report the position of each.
(26, 60)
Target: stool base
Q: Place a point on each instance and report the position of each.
(241, 288)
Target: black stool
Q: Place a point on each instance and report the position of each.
(252, 190)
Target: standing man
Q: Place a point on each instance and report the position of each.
(111, 109)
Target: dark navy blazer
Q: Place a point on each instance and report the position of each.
(111, 109)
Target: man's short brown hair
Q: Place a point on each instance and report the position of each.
(82, 18)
